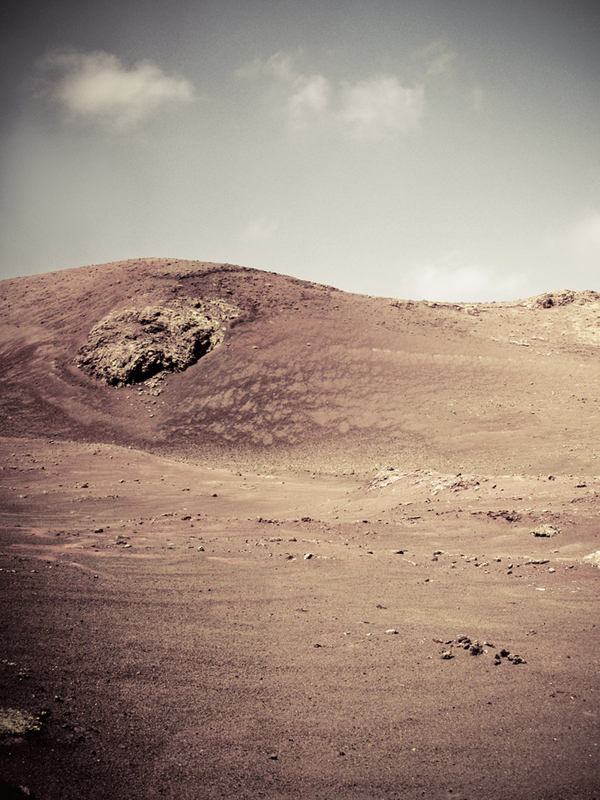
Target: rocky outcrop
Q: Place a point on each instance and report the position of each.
(563, 297)
(133, 344)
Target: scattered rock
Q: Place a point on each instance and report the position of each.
(509, 516)
(15, 793)
(545, 531)
(18, 723)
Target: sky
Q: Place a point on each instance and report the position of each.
(446, 150)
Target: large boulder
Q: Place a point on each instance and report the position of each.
(133, 344)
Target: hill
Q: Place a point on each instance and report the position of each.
(268, 371)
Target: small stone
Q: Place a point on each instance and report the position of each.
(447, 654)
(307, 556)
(391, 631)
(545, 531)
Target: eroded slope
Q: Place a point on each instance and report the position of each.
(306, 375)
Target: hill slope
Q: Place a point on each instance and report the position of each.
(299, 374)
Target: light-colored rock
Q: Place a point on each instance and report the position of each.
(593, 558)
(545, 531)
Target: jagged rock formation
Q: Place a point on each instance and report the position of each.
(563, 297)
(133, 344)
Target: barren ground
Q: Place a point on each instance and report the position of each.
(213, 586)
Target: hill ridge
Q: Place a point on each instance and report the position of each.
(306, 375)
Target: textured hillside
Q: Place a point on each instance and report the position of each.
(293, 373)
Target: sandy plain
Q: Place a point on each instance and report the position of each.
(305, 566)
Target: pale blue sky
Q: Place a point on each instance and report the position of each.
(438, 150)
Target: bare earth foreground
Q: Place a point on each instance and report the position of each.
(336, 547)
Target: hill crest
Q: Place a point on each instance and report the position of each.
(304, 375)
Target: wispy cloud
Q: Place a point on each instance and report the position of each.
(438, 58)
(310, 102)
(98, 88)
(373, 109)
(261, 229)
(466, 283)
(381, 107)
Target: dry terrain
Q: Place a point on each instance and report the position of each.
(263, 538)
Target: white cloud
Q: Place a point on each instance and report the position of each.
(97, 87)
(373, 109)
(381, 107)
(310, 103)
(471, 283)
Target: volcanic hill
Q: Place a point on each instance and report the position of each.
(237, 367)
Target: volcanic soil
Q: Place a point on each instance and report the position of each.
(348, 547)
